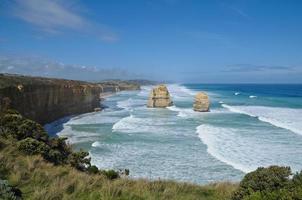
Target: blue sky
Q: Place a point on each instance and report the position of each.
(214, 41)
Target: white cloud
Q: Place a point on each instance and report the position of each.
(55, 16)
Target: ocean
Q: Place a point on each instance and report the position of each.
(248, 126)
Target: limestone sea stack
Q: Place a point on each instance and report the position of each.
(202, 102)
(159, 97)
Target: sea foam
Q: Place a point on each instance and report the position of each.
(246, 148)
(287, 118)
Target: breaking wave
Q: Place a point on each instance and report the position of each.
(286, 118)
(247, 149)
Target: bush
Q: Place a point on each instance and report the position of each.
(263, 182)
(79, 160)
(55, 157)
(20, 128)
(8, 192)
(92, 169)
(59, 144)
(29, 128)
(110, 174)
(9, 124)
(4, 171)
(32, 146)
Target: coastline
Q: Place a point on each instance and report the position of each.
(35, 96)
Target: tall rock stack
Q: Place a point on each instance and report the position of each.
(202, 102)
(159, 97)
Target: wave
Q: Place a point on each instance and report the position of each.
(286, 118)
(236, 93)
(214, 137)
(252, 96)
(182, 112)
(96, 144)
(180, 92)
(145, 91)
(75, 137)
(246, 149)
(130, 103)
(133, 124)
(190, 113)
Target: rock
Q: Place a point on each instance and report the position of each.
(97, 109)
(202, 102)
(159, 97)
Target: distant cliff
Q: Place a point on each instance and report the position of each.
(47, 99)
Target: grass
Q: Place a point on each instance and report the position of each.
(38, 179)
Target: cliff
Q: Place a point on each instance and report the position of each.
(47, 99)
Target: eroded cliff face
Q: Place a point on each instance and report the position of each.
(202, 102)
(159, 97)
(45, 100)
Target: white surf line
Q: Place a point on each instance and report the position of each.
(273, 115)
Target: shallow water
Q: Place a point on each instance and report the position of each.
(248, 126)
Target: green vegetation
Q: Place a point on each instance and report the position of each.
(35, 166)
(8, 192)
(270, 184)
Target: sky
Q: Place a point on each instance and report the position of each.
(190, 41)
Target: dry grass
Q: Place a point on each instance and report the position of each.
(41, 180)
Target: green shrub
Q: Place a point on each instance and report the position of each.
(59, 144)
(8, 192)
(92, 169)
(10, 111)
(29, 128)
(79, 160)
(9, 124)
(32, 146)
(55, 157)
(264, 182)
(20, 128)
(110, 174)
(4, 171)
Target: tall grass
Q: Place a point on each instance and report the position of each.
(39, 179)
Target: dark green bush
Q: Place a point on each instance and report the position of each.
(10, 111)
(21, 128)
(9, 124)
(8, 192)
(110, 174)
(79, 160)
(29, 128)
(55, 157)
(32, 146)
(92, 169)
(4, 171)
(59, 144)
(263, 182)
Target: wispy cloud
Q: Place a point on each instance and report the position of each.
(257, 68)
(239, 12)
(56, 16)
(37, 66)
(236, 9)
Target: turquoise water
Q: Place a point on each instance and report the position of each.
(248, 126)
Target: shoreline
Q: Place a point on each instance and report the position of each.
(56, 126)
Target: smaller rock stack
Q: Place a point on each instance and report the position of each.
(159, 97)
(202, 102)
